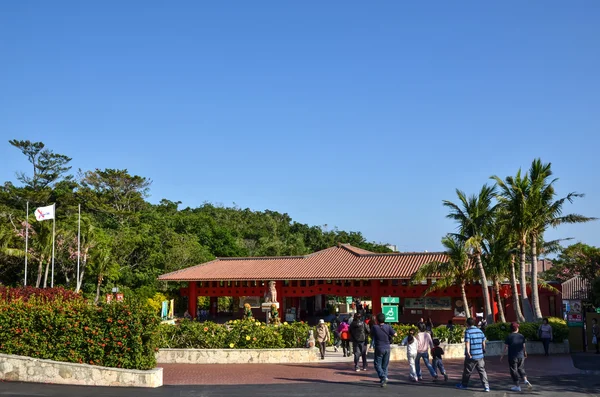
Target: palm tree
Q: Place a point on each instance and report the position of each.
(512, 198)
(474, 215)
(545, 212)
(457, 270)
(497, 262)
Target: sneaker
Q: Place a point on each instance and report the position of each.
(335, 349)
(420, 378)
(357, 369)
(435, 378)
(528, 384)
(364, 368)
(445, 377)
(384, 383)
(515, 388)
(486, 389)
(461, 386)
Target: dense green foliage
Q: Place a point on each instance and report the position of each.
(56, 325)
(236, 334)
(127, 241)
(442, 333)
(500, 331)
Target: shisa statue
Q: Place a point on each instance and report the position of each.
(271, 294)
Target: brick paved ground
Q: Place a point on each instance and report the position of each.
(343, 372)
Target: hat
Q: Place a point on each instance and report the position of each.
(321, 321)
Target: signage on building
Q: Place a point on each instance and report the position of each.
(429, 303)
(391, 313)
(390, 299)
(349, 300)
(574, 319)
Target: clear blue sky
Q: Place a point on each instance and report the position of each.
(361, 116)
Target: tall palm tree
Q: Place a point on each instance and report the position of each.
(474, 215)
(457, 270)
(546, 212)
(497, 260)
(512, 198)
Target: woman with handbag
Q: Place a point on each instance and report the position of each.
(545, 334)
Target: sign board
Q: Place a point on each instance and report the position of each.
(429, 303)
(349, 300)
(598, 310)
(389, 299)
(574, 319)
(391, 313)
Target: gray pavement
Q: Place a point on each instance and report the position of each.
(565, 386)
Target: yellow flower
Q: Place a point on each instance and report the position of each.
(263, 327)
(247, 338)
(285, 323)
(231, 345)
(257, 324)
(235, 321)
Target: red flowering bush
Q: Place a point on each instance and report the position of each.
(57, 326)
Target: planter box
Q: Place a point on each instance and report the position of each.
(27, 369)
(236, 356)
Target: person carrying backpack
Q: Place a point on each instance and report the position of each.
(358, 334)
(344, 331)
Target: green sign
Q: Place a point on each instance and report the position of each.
(598, 310)
(389, 299)
(349, 300)
(391, 314)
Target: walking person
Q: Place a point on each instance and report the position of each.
(424, 344)
(438, 363)
(335, 323)
(474, 351)
(322, 337)
(411, 354)
(344, 331)
(596, 335)
(517, 353)
(382, 334)
(545, 334)
(359, 332)
(429, 326)
(372, 323)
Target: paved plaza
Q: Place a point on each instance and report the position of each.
(551, 376)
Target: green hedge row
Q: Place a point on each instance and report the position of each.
(66, 328)
(499, 331)
(442, 333)
(235, 334)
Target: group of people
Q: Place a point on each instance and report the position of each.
(421, 344)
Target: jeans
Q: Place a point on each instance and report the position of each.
(425, 357)
(546, 342)
(471, 364)
(438, 364)
(322, 348)
(411, 365)
(360, 350)
(517, 369)
(381, 362)
(346, 347)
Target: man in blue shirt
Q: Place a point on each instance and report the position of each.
(382, 335)
(474, 351)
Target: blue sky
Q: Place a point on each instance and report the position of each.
(355, 115)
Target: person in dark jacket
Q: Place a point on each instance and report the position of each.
(383, 335)
(359, 332)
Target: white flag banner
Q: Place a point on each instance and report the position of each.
(44, 213)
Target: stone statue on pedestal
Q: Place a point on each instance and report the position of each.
(271, 294)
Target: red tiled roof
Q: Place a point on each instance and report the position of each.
(336, 263)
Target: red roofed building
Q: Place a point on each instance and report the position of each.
(302, 282)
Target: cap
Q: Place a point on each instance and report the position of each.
(321, 321)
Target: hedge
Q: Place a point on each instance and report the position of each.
(235, 334)
(442, 333)
(57, 325)
(499, 331)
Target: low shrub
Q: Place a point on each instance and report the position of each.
(235, 334)
(56, 326)
(499, 331)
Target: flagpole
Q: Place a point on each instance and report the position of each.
(78, 245)
(26, 240)
(53, 237)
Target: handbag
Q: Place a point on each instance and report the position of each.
(594, 340)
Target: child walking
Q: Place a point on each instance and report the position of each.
(437, 352)
(411, 354)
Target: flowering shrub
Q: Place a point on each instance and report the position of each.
(55, 326)
(235, 334)
(499, 331)
(8, 294)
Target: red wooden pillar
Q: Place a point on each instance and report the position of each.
(280, 299)
(375, 297)
(493, 304)
(192, 298)
(213, 306)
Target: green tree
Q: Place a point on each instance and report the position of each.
(455, 271)
(545, 212)
(48, 167)
(474, 216)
